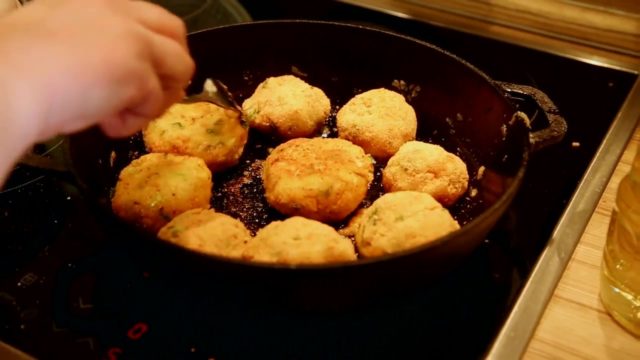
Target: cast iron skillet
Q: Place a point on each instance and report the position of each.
(458, 107)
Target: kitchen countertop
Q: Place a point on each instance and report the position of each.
(574, 323)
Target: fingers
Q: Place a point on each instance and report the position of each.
(135, 118)
(173, 64)
(158, 20)
(173, 95)
(168, 69)
(145, 101)
(168, 50)
(161, 85)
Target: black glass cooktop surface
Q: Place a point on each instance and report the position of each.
(71, 287)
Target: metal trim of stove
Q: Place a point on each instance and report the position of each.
(507, 19)
(518, 329)
(564, 48)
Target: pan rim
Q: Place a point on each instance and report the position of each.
(476, 222)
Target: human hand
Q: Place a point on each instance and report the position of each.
(70, 64)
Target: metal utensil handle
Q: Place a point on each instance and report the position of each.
(557, 125)
(217, 93)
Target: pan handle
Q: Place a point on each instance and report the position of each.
(556, 129)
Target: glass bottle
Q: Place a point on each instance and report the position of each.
(620, 273)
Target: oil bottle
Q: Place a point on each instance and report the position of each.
(620, 272)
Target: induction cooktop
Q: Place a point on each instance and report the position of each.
(71, 288)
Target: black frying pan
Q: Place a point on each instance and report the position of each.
(458, 107)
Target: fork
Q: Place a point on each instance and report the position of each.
(215, 92)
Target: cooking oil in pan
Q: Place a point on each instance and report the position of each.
(620, 275)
